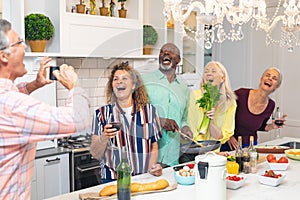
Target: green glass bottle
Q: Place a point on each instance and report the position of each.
(124, 173)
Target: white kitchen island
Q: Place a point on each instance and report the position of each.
(290, 188)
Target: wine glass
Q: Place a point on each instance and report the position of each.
(116, 124)
(278, 121)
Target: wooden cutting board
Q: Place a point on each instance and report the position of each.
(261, 159)
(95, 195)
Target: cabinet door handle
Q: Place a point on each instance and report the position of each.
(87, 169)
(53, 160)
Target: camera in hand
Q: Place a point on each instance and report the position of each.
(51, 75)
(279, 122)
(116, 125)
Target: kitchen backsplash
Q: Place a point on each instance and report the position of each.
(93, 75)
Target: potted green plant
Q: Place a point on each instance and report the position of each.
(103, 9)
(80, 8)
(122, 11)
(38, 30)
(150, 37)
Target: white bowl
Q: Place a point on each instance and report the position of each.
(235, 184)
(270, 180)
(278, 166)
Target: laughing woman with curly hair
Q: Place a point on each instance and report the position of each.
(140, 127)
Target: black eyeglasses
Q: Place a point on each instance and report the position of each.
(21, 41)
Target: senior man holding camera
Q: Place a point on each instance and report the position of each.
(25, 120)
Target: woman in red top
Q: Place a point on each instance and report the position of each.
(254, 108)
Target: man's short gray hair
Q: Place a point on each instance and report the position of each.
(5, 26)
(4, 42)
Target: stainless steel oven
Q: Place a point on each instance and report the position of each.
(85, 170)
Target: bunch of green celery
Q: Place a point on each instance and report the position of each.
(210, 98)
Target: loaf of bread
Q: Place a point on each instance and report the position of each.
(142, 187)
(136, 187)
(108, 190)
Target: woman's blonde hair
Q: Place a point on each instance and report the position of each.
(228, 96)
(139, 94)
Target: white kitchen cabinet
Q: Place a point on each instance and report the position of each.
(51, 177)
(80, 34)
(34, 192)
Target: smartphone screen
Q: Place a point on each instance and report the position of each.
(52, 68)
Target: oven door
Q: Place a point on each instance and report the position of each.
(86, 171)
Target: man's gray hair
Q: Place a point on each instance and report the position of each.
(5, 26)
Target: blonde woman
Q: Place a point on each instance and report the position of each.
(221, 126)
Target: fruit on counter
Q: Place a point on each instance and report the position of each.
(271, 173)
(234, 178)
(190, 165)
(232, 167)
(273, 161)
(271, 158)
(136, 187)
(283, 159)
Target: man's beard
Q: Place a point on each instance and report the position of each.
(165, 68)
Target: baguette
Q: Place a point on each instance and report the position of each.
(136, 187)
(108, 190)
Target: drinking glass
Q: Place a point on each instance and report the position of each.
(278, 121)
(116, 124)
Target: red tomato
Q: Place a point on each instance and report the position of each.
(234, 178)
(283, 160)
(273, 161)
(190, 165)
(271, 174)
(270, 157)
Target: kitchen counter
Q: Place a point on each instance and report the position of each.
(51, 152)
(251, 190)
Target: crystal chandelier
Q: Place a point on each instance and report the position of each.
(212, 14)
(287, 19)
